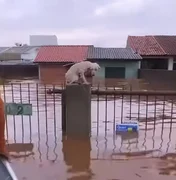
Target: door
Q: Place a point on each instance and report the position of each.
(115, 72)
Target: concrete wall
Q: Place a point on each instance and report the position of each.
(159, 79)
(15, 71)
(131, 67)
(78, 110)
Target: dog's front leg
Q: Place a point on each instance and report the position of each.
(83, 78)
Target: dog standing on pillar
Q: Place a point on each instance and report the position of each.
(77, 72)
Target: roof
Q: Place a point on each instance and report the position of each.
(2, 49)
(19, 49)
(67, 53)
(145, 45)
(153, 45)
(15, 62)
(168, 43)
(112, 53)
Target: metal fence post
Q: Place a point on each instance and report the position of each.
(78, 110)
(63, 112)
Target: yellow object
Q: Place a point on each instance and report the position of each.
(130, 129)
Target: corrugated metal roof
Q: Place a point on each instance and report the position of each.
(112, 53)
(67, 53)
(2, 49)
(20, 49)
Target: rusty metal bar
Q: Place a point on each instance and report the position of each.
(63, 99)
(122, 92)
(6, 124)
(29, 100)
(22, 118)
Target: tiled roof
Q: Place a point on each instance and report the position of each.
(70, 53)
(168, 43)
(19, 50)
(112, 53)
(145, 45)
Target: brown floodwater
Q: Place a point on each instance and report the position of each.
(39, 151)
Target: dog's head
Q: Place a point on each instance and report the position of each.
(95, 66)
(93, 69)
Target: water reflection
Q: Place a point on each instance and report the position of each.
(38, 139)
(76, 153)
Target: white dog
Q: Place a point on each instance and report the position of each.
(78, 71)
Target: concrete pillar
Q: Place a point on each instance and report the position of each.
(78, 110)
(170, 63)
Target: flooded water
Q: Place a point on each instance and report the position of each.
(39, 151)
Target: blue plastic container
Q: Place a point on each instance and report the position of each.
(127, 127)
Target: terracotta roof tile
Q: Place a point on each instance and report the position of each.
(70, 53)
(145, 45)
(168, 43)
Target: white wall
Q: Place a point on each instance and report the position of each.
(170, 63)
(30, 55)
(41, 40)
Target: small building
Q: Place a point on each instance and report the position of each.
(116, 63)
(159, 59)
(2, 49)
(30, 54)
(19, 53)
(54, 61)
(13, 64)
(158, 52)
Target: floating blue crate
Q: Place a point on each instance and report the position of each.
(127, 127)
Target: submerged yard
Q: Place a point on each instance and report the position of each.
(39, 151)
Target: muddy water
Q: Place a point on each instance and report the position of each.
(38, 150)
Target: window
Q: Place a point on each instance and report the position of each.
(115, 72)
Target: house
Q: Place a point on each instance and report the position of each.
(18, 54)
(158, 52)
(2, 49)
(116, 63)
(159, 59)
(51, 61)
(18, 61)
(30, 54)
